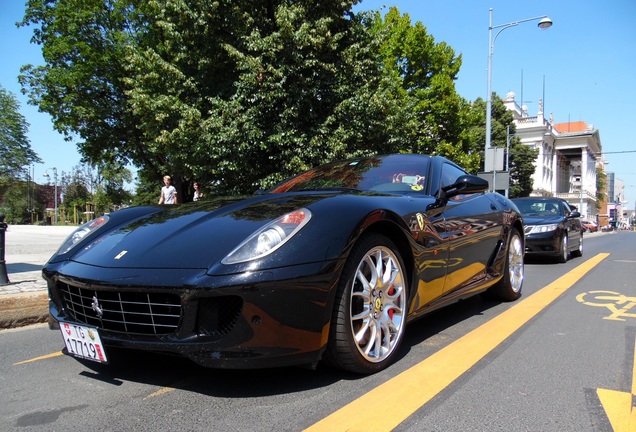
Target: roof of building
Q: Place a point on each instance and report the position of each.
(579, 126)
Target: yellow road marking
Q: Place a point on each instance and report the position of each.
(619, 405)
(44, 357)
(634, 371)
(416, 386)
(160, 392)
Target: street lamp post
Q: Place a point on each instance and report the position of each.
(543, 24)
(46, 174)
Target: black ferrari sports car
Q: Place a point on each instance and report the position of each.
(329, 265)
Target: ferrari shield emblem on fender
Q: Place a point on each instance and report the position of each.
(420, 221)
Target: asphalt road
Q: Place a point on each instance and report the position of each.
(569, 367)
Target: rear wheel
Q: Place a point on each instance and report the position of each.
(509, 287)
(370, 309)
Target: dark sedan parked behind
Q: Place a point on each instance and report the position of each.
(552, 228)
(329, 265)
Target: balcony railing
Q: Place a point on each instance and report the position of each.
(574, 196)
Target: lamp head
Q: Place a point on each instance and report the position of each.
(545, 23)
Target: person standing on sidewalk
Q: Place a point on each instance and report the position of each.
(197, 192)
(168, 192)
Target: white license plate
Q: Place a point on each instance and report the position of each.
(83, 342)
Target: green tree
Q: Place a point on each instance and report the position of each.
(15, 204)
(601, 187)
(240, 94)
(111, 190)
(433, 118)
(81, 84)
(76, 193)
(226, 93)
(15, 149)
(522, 168)
(103, 186)
(260, 91)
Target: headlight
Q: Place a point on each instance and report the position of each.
(269, 238)
(537, 229)
(84, 230)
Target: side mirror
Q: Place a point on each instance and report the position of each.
(466, 184)
(574, 215)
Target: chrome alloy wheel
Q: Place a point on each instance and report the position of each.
(378, 303)
(515, 264)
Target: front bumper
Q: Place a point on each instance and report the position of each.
(270, 318)
(543, 243)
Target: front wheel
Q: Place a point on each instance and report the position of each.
(509, 287)
(370, 308)
(563, 251)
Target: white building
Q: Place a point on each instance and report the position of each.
(568, 156)
(616, 205)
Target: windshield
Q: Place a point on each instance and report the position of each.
(539, 207)
(395, 173)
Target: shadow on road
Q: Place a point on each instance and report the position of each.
(180, 373)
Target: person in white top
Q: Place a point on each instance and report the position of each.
(197, 192)
(168, 192)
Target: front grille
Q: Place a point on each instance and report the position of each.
(148, 313)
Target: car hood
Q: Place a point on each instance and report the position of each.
(193, 236)
(541, 220)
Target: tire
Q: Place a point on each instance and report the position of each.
(563, 250)
(509, 287)
(579, 251)
(369, 318)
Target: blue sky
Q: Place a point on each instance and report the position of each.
(584, 66)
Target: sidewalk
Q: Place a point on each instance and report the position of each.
(24, 299)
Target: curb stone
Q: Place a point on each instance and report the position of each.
(19, 310)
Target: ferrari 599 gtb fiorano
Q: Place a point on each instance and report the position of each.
(329, 266)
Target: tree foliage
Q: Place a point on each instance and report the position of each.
(260, 91)
(101, 186)
(601, 187)
(433, 115)
(81, 84)
(15, 149)
(238, 95)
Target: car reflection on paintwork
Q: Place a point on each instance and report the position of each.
(552, 227)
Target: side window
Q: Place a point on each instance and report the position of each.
(450, 174)
(566, 208)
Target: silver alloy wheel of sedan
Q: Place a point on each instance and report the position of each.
(564, 253)
(378, 303)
